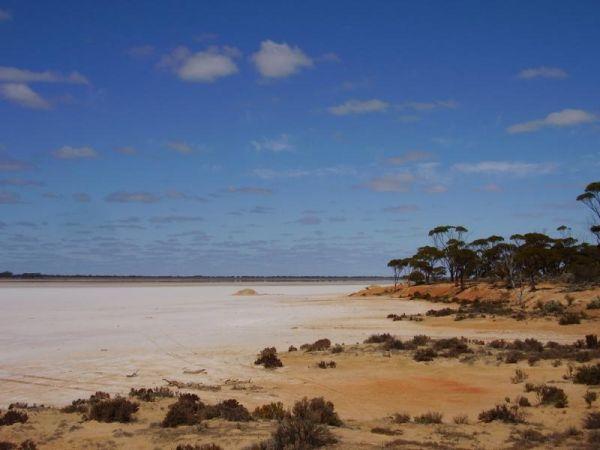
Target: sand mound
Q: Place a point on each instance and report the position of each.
(246, 292)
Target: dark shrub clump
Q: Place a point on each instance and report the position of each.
(569, 319)
(25, 445)
(268, 358)
(592, 421)
(379, 338)
(151, 394)
(270, 411)
(185, 411)
(317, 346)
(118, 409)
(551, 395)
(441, 312)
(199, 447)
(230, 410)
(327, 365)
(317, 410)
(424, 354)
(502, 413)
(428, 418)
(12, 416)
(420, 340)
(589, 375)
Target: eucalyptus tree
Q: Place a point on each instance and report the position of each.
(591, 199)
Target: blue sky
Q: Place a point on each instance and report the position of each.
(287, 137)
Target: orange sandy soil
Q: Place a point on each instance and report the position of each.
(367, 387)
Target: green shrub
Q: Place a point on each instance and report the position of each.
(551, 395)
(502, 413)
(318, 410)
(295, 432)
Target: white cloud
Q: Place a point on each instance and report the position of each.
(358, 107)
(23, 95)
(276, 145)
(401, 209)
(202, 67)
(542, 72)
(8, 164)
(397, 182)
(7, 198)
(13, 74)
(564, 118)
(127, 150)
(82, 197)
(275, 60)
(505, 167)
(180, 147)
(68, 152)
(249, 190)
(5, 15)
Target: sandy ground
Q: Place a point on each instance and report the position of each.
(66, 342)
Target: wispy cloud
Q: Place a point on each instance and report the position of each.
(23, 95)
(559, 119)
(177, 195)
(359, 107)
(309, 220)
(82, 197)
(270, 174)
(491, 187)
(249, 190)
(68, 152)
(15, 75)
(410, 156)
(9, 198)
(20, 182)
(126, 150)
(394, 182)
(202, 67)
(401, 209)
(275, 60)
(506, 168)
(174, 219)
(428, 106)
(542, 72)
(131, 197)
(180, 147)
(275, 145)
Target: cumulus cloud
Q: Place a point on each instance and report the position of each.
(564, 118)
(23, 95)
(542, 72)
(202, 67)
(177, 195)
(131, 197)
(275, 60)
(506, 168)
(5, 15)
(275, 145)
(8, 198)
(395, 182)
(249, 190)
(16, 75)
(68, 152)
(410, 156)
(180, 147)
(82, 197)
(359, 107)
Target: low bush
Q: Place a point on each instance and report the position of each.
(25, 445)
(230, 410)
(590, 397)
(523, 402)
(295, 432)
(13, 416)
(318, 410)
(317, 346)
(551, 395)
(551, 307)
(594, 304)
(327, 365)
(591, 341)
(424, 354)
(589, 375)
(420, 340)
(428, 418)
(592, 421)
(401, 418)
(379, 338)
(461, 419)
(292, 349)
(270, 411)
(385, 431)
(337, 348)
(502, 413)
(569, 319)
(268, 358)
(514, 357)
(151, 394)
(519, 377)
(454, 347)
(118, 409)
(395, 344)
(441, 312)
(199, 447)
(187, 410)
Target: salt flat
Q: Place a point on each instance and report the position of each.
(59, 340)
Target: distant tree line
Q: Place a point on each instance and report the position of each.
(522, 258)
